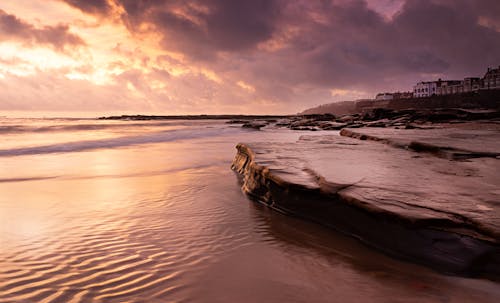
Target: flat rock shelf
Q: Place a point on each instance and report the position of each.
(436, 211)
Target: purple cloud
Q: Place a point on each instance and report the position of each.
(91, 6)
(295, 53)
(13, 28)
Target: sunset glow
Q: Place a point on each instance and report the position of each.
(249, 151)
(192, 57)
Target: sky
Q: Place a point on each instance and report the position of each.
(233, 57)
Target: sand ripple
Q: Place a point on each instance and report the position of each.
(151, 253)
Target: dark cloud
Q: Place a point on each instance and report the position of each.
(203, 28)
(295, 52)
(336, 42)
(91, 6)
(448, 32)
(345, 44)
(13, 28)
(327, 43)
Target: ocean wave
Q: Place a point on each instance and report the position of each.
(158, 137)
(19, 128)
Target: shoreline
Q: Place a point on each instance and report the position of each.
(193, 117)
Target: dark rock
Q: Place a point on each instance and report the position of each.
(379, 114)
(347, 118)
(356, 125)
(283, 122)
(332, 125)
(415, 126)
(304, 122)
(304, 128)
(237, 121)
(428, 210)
(380, 123)
(254, 125)
(322, 117)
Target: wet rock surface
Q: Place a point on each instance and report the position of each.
(416, 206)
(381, 118)
(256, 124)
(479, 140)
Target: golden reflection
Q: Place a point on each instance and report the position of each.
(96, 184)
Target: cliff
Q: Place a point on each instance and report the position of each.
(487, 99)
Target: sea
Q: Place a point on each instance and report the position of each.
(150, 211)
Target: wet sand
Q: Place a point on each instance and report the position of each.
(168, 222)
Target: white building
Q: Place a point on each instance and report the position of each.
(425, 89)
(491, 80)
(384, 96)
(443, 87)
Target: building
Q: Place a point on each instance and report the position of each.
(491, 79)
(449, 87)
(396, 95)
(425, 89)
(402, 95)
(384, 96)
(471, 84)
(442, 87)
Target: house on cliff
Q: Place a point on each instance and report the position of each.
(402, 95)
(491, 79)
(384, 96)
(396, 95)
(449, 87)
(425, 89)
(472, 84)
(439, 87)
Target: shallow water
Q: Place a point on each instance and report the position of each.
(121, 211)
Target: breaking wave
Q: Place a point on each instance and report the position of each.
(18, 128)
(76, 146)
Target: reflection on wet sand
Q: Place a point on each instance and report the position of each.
(168, 223)
(301, 260)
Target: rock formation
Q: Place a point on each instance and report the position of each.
(412, 205)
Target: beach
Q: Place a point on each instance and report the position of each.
(150, 211)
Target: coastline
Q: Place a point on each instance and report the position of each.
(193, 117)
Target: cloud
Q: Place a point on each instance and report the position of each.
(348, 45)
(336, 42)
(13, 28)
(52, 91)
(201, 29)
(133, 91)
(327, 43)
(91, 6)
(279, 55)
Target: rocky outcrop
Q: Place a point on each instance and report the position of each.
(422, 208)
(378, 118)
(445, 142)
(256, 124)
